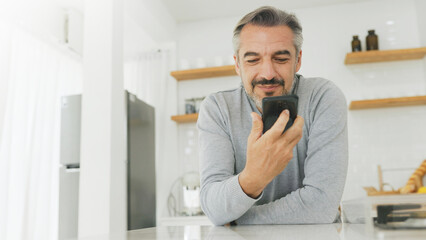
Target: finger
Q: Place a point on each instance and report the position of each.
(256, 128)
(295, 132)
(277, 129)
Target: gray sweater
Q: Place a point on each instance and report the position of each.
(307, 191)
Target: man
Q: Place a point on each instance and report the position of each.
(252, 178)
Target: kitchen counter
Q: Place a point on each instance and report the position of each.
(266, 232)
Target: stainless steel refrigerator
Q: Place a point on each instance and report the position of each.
(141, 195)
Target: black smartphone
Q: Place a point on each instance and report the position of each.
(273, 106)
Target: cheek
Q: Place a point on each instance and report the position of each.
(247, 80)
(247, 85)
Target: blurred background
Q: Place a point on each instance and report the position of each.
(73, 70)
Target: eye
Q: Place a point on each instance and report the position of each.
(281, 60)
(252, 60)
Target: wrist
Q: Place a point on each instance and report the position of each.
(249, 185)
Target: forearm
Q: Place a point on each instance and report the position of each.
(224, 201)
(304, 206)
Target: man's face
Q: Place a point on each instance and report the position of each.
(267, 61)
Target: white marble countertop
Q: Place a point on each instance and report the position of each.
(266, 232)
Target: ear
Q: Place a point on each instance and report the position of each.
(237, 66)
(299, 61)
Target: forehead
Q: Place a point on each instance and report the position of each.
(260, 38)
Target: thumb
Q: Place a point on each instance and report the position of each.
(256, 127)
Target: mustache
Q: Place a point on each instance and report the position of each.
(264, 81)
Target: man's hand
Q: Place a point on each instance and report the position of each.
(268, 155)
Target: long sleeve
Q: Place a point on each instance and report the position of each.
(310, 187)
(325, 169)
(222, 198)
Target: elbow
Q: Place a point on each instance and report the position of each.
(326, 216)
(212, 216)
(217, 222)
(329, 218)
(325, 209)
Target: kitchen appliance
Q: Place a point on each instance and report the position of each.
(191, 194)
(141, 195)
(391, 215)
(184, 196)
(69, 169)
(401, 216)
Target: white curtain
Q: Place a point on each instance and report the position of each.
(29, 150)
(148, 77)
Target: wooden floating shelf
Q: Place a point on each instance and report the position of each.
(371, 191)
(388, 102)
(354, 105)
(209, 72)
(385, 55)
(185, 118)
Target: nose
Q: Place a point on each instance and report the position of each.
(267, 70)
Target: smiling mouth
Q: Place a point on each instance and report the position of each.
(268, 87)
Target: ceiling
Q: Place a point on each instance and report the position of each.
(194, 10)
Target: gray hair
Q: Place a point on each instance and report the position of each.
(269, 17)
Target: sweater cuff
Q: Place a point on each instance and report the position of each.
(241, 195)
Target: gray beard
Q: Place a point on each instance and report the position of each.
(257, 100)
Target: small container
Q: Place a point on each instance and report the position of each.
(372, 41)
(356, 44)
(198, 103)
(189, 106)
(201, 63)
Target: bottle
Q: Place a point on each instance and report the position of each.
(356, 44)
(372, 41)
(189, 106)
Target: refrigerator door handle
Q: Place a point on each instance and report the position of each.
(72, 166)
(69, 168)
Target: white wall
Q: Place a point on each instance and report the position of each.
(39, 16)
(103, 177)
(4, 72)
(421, 19)
(392, 137)
(148, 26)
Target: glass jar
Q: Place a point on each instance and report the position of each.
(198, 103)
(189, 106)
(356, 44)
(372, 41)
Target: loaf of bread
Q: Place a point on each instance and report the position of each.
(416, 180)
